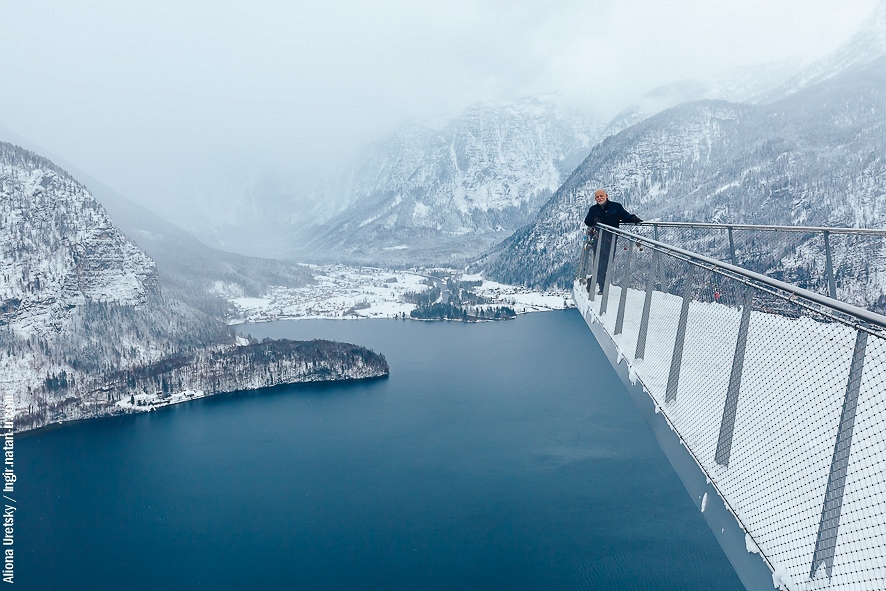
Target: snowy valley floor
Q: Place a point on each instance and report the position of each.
(365, 292)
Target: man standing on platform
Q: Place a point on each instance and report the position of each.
(609, 213)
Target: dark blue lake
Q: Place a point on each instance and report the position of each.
(496, 456)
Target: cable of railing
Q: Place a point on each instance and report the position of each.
(860, 313)
(768, 228)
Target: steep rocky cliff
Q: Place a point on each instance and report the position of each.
(58, 248)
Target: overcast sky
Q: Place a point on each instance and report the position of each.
(141, 95)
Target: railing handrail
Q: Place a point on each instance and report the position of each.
(848, 309)
(768, 228)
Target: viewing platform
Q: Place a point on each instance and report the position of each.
(768, 398)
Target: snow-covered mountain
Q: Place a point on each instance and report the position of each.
(760, 83)
(812, 158)
(76, 296)
(444, 193)
(749, 84)
(59, 249)
(188, 270)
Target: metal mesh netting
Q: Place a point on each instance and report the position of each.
(779, 399)
(858, 261)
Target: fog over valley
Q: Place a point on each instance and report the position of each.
(217, 116)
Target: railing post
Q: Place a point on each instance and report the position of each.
(592, 279)
(829, 265)
(608, 280)
(677, 357)
(727, 424)
(581, 269)
(829, 524)
(647, 306)
(732, 247)
(622, 298)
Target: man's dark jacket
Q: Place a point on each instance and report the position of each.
(610, 213)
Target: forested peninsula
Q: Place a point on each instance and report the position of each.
(182, 377)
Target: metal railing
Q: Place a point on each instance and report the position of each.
(845, 262)
(776, 391)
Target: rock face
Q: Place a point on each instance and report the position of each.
(813, 158)
(442, 194)
(59, 249)
(77, 298)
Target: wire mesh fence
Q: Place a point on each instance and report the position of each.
(780, 399)
(847, 264)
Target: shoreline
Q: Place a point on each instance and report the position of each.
(183, 377)
(178, 398)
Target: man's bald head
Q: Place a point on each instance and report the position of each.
(600, 196)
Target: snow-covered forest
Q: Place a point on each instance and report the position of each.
(202, 372)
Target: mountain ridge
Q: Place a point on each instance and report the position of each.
(188, 268)
(440, 194)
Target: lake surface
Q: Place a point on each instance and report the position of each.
(496, 456)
